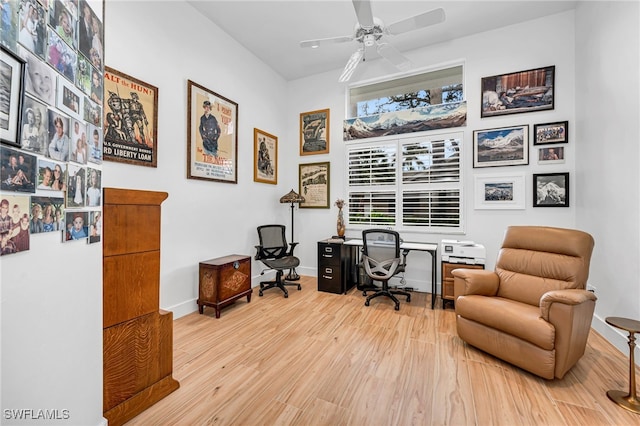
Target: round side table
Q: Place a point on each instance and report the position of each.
(627, 400)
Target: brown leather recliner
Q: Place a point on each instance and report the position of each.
(534, 311)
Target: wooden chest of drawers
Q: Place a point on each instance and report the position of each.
(224, 280)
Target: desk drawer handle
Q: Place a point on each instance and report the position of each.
(327, 278)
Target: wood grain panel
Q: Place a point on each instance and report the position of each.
(133, 196)
(142, 225)
(131, 286)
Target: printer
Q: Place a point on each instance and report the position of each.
(467, 252)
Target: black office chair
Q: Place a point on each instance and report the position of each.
(381, 260)
(272, 251)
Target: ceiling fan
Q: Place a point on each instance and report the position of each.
(370, 31)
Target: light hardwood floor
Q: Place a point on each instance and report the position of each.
(324, 359)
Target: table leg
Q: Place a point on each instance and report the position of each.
(433, 279)
(628, 400)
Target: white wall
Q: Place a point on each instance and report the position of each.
(510, 49)
(607, 129)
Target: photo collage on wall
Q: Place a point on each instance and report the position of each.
(51, 177)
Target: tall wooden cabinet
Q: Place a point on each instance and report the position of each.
(137, 334)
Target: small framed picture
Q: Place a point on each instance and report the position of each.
(551, 155)
(314, 132)
(18, 170)
(499, 191)
(12, 70)
(547, 133)
(313, 181)
(505, 146)
(265, 157)
(35, 126)
(551, 190)
(77, 226)
(70, 99)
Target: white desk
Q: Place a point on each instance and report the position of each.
(430, 248)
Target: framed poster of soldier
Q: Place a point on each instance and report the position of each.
(314, 185)
(130, 120)
(314, 132)
(265, 157)
(212, 135)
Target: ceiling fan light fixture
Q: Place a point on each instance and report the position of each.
(369, 40)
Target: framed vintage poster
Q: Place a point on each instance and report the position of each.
(518, 92)
(12, 69)
(551, 190)
(547, 133)
(499, 192)
(130, 120)
(505, 146)
(313, 185)
(314, 132)
(212, 135)
(265, 157)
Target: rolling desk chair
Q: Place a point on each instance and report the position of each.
(272, 251)
(381, 260)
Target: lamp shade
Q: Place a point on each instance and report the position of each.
(292, 197)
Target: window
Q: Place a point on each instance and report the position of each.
(419, 90)
(409, 182)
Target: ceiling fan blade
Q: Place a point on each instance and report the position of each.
(364, 13)
(416, 22)
(392, 55)
(353, 62)
(324, 41)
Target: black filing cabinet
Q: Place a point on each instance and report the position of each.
(335, 273)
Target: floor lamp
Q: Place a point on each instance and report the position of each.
(293, 198)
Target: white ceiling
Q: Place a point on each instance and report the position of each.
(272, 30)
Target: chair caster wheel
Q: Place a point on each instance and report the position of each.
(260, 293)
(261, 285)
(299, 287)
(397, 307)
(286, 296)
(364, 293)
(366, 303)
(408, 299)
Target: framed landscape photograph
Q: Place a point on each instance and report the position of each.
(500, 191)
(518, 92)
(313, 185)
(505, 146)
(212, 135)
(551, 190)
(265, 157)
(314, 132)
(547, 133)
(130, 120)
(12, 71)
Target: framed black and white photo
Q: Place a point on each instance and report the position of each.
(499, 191)
(518, 92)
(505, 146)
(12, 70)
(69, 99)
(551, 190)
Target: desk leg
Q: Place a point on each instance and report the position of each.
(433, 278)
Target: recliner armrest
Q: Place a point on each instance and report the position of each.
(475, 281)
(566, 297)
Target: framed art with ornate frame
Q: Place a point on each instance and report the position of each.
(518, 92)
(265, 157)
(314, 132)
(314, 180)
(547, 133)
(12, 69)
(130, 120)
(212, 135)
(551, 190)
(504, 146)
